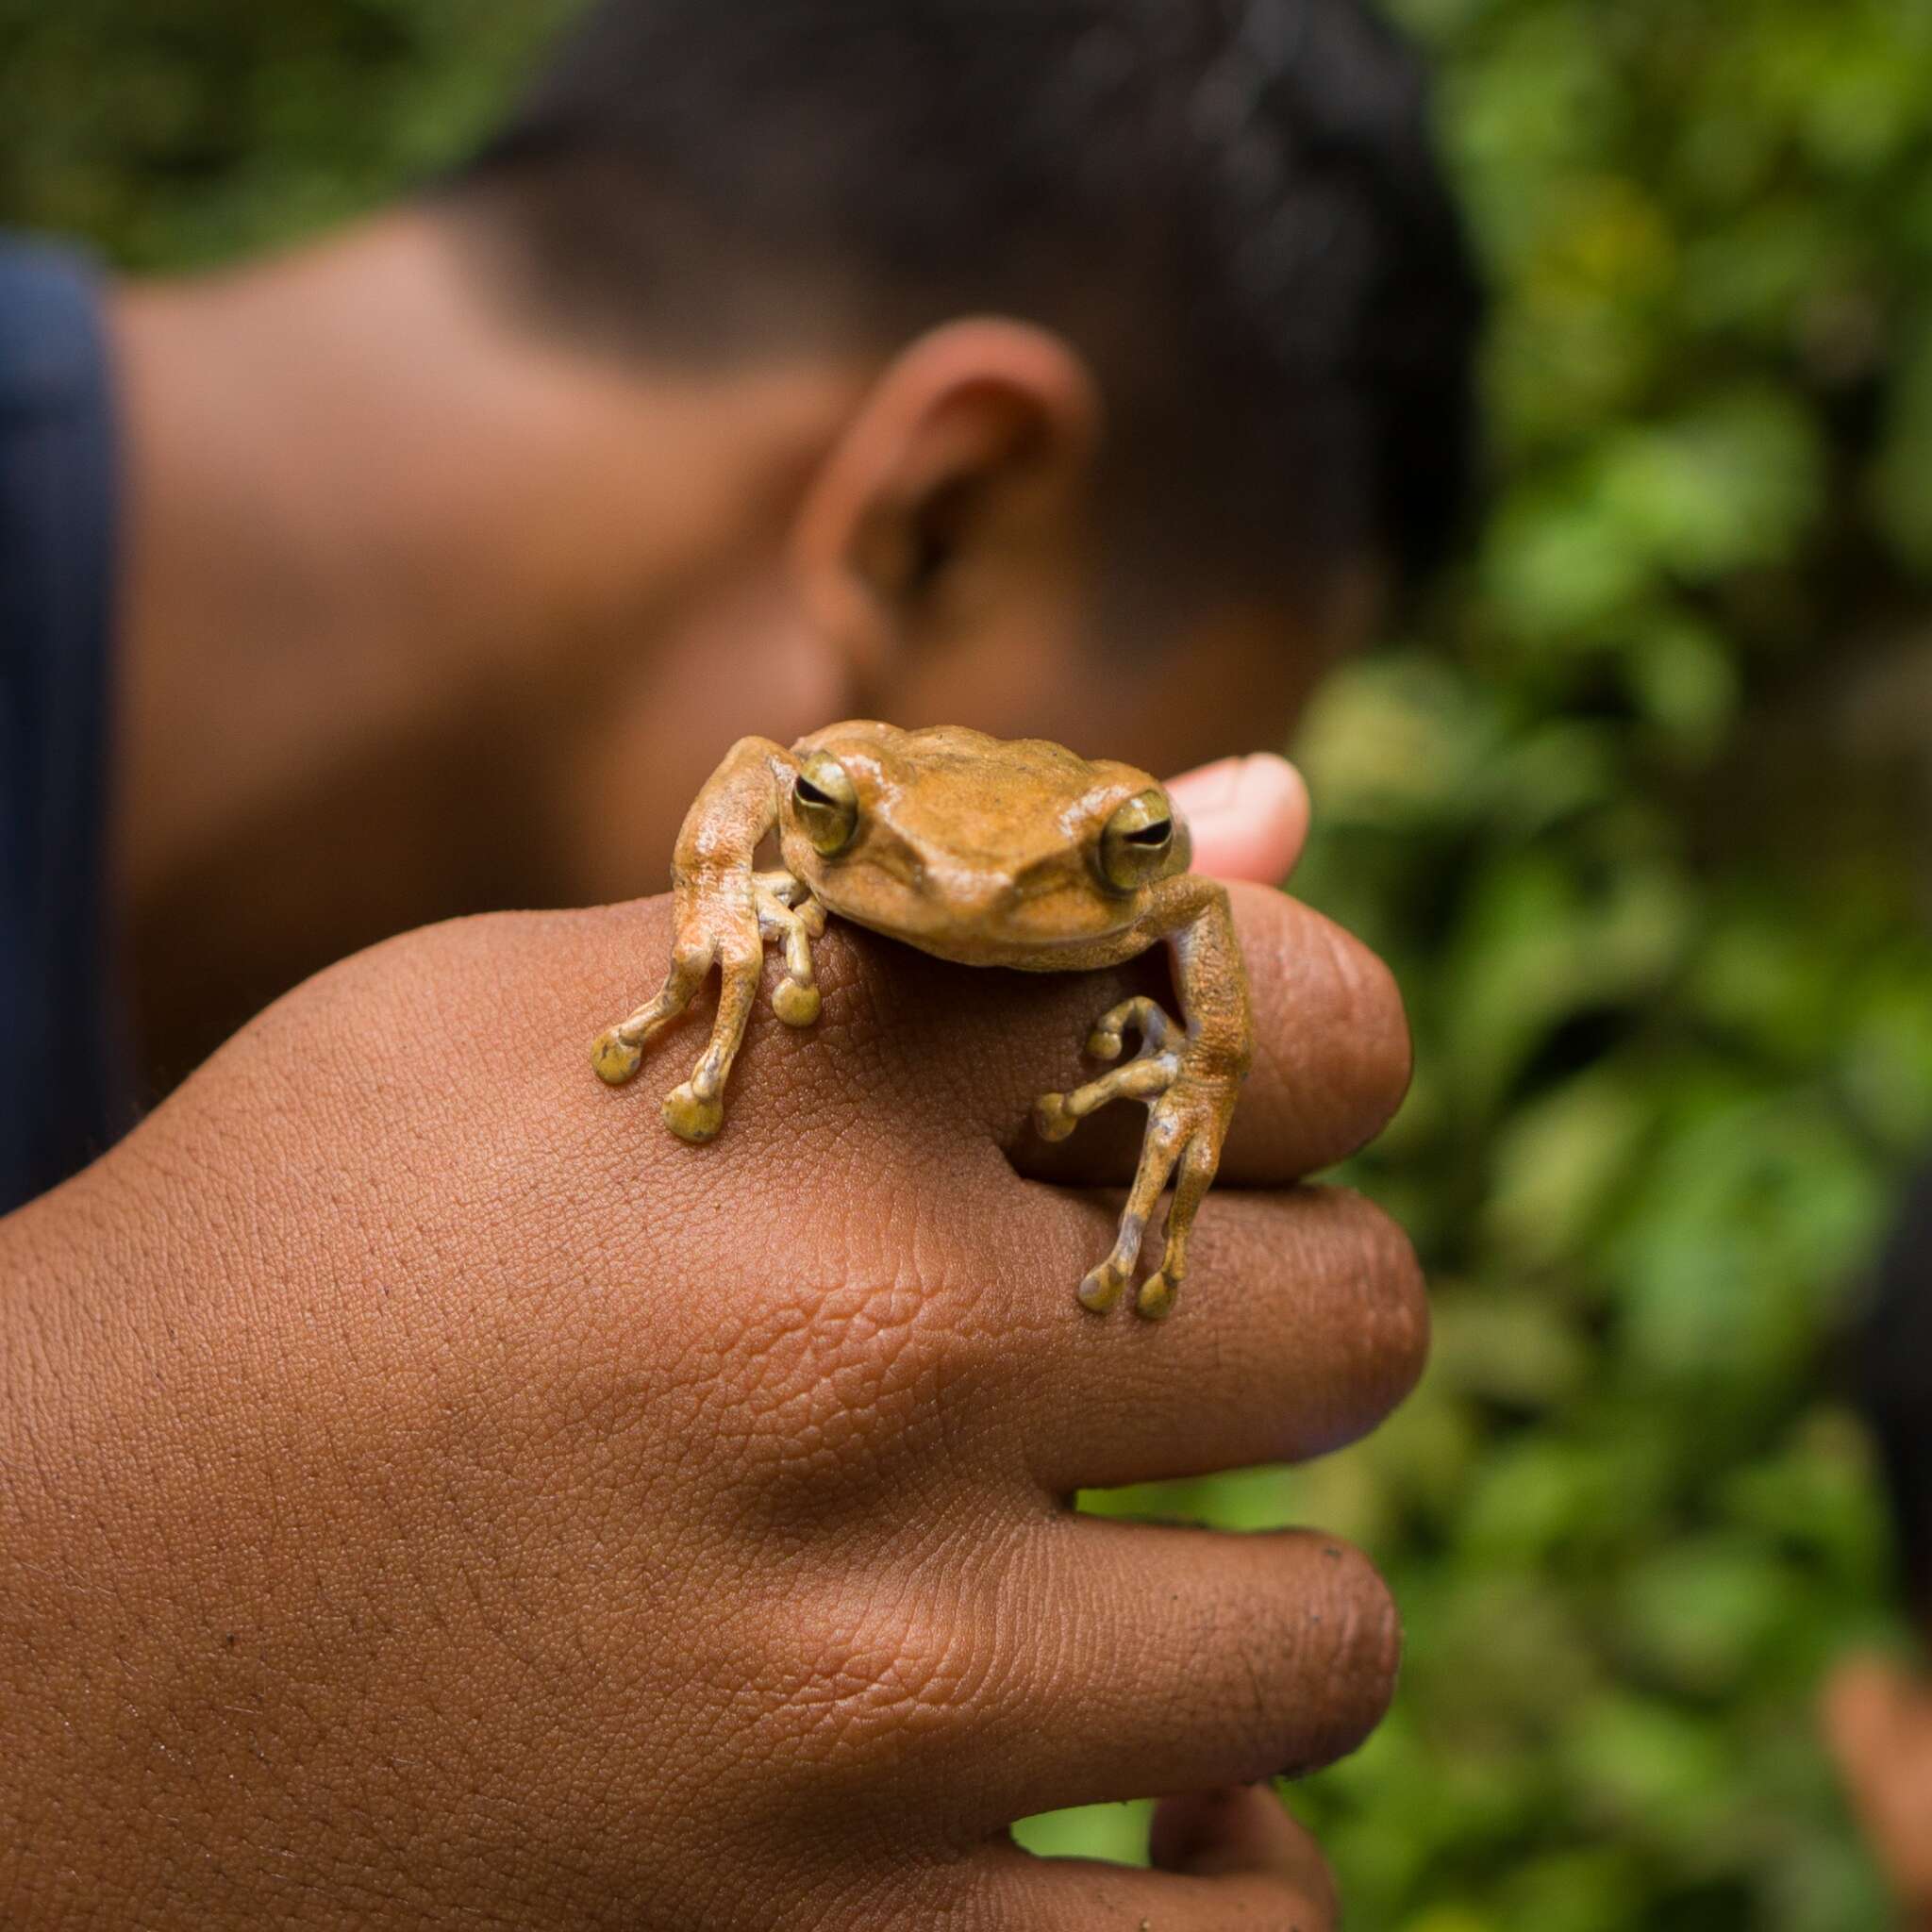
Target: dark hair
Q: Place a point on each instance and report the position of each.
(1892, 1365)
(1232, 207)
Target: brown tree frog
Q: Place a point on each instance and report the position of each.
(991, 853)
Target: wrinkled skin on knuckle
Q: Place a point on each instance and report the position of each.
(857, 1383)
(895, 1683)
(838, 1401)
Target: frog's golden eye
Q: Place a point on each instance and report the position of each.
(1141, 842)
(826, 804)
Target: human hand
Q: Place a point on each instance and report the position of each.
(431, 1492)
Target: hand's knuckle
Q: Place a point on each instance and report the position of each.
(850, 1390)
(872, 1675)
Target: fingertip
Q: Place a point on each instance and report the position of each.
(1274, 783)
(1249, 816)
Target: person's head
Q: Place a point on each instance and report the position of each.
(1157, 316)
(1081, 369)
(1879, 1715)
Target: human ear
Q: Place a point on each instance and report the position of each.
(981, 428)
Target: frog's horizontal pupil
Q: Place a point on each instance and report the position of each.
(1153, 835)
(809, 793)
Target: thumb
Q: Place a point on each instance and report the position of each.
(1249, 817)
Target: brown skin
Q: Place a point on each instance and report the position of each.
(988, 851)
(433, 1495)
(1878, 1720)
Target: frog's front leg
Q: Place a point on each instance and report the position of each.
(1189, 1078)
(723, 914)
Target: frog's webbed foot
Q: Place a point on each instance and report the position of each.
(1189, 1102)
(724, 921)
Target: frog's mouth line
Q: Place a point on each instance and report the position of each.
(971, 936)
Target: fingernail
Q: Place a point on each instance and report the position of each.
(1248, 817)
(1211, 788)
(1266, 784)
(1245, 791)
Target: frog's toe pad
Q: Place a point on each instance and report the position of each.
(1102, 1288)
(1105, 1043)
(1156, 1301)
(795, 1004)
(691, 1117)
(614, 1058)
(1051, 1117)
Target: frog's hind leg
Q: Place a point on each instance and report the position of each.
(1186, 1117)
(618, 1051)
(1102, 1288)
(1146, 1077)
(1198, 1164)
(695, 1112)
(727, 924)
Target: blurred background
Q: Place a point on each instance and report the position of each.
(1637, 810)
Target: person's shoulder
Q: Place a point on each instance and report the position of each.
(52, 344)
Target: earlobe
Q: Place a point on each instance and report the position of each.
(974, 428)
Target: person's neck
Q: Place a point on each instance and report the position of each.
(363, 506)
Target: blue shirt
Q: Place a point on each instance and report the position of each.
(61, 1082)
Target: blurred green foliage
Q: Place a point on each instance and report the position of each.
(1636, 819)
(188, 132)
(1634, 814)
